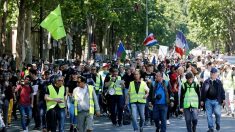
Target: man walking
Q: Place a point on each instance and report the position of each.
(55, 101)
(159, 97)
(213, 96)
(25, 102)
(189, 102)
(138, 92)
(86, 105)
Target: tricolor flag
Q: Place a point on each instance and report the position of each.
(121, 52)
(181, 43)
(150, 40)
(53, 23)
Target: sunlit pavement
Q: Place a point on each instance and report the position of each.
(103, 124)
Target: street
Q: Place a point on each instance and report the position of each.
(102, 124)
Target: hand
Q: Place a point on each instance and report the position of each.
(202, 103)
(32, 105)
(223, 103)
(150, 104)
(145, 96)
(181, 110)
(58, 100)
(97, 113)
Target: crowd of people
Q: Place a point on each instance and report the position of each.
(155, 92)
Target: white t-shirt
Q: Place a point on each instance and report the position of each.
(81, 95)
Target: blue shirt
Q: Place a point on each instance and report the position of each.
(160, 90)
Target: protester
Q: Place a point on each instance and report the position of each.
(138, 93)
(86, 105)
(115, 87)
(190, 101)
(55, 101)
(159, 100)
(25, 102)
(213, 96)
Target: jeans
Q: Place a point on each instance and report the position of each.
(125, 92)
(136, 109)
(5, 110)
(160, 114)
(191, 118)
(85, 121)
(117, 104)
(42, 109)
(36, 113)
(53, 116)
(212, 106)
(25, 111)
(73, 119)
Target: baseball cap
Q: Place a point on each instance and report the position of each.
(214, 70)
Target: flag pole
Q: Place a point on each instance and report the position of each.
(147, 23)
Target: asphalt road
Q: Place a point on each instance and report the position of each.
(103, 124)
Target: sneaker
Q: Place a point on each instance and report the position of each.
(168, 122)
(36, 128)
(44, 130)
(71, 128)
(146, 123)
(217, 127)
(210, 130)
(119, 125)
(152, 123)
(75, 130)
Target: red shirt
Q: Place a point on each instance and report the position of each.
(25, 94)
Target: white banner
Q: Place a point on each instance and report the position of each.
(163, 51)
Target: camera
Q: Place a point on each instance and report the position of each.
(158, 96)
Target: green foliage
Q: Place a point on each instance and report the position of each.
(204, 22)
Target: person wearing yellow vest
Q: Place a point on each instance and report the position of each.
(97, 79)
(55, 102)
(190, 102)
(115, 86)
(137, 94)
(86, 105)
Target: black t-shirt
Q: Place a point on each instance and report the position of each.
(147, 76)
(72, 85)
(128, 78)
(213, 90)
(137, 86)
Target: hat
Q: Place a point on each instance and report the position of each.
(105, 65)
(214, 70)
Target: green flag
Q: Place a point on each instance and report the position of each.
(53, 23)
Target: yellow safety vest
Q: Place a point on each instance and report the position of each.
(26, 72)
(91, 101)
(191, 97)
(134, 97)
(118, 90)
(53, 94)
(97, 83)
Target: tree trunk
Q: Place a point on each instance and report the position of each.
(20, 34)
(3, 28)
(28, 44)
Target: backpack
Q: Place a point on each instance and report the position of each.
(126, 116)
